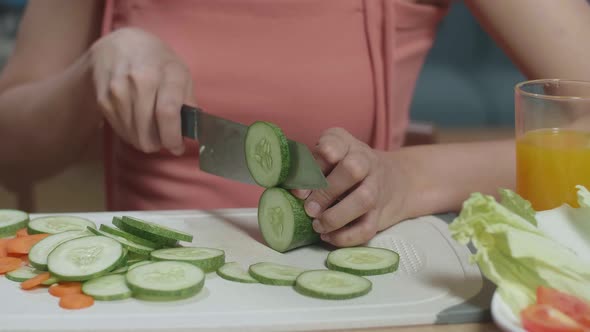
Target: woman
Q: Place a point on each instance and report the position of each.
(306, 65)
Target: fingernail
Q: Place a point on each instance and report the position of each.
(312, 208)
(177, 151)
(325, 237)
(317, 226)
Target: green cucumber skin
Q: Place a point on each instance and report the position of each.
(155, 231)
(43, 267)
(52, 280)
(285, 154)
(155, 295)
(207, 265)
(234, 279)
(374, 272)
(130, 248)
(303, 233)
(166, 242)
(133, 238)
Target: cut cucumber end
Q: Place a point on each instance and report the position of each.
(39, 253)
(107, 288)
(232, 271)
(274, 274)
(11, 221)
(267, 154)
(283, 222)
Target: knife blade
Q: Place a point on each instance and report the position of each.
(221, 151)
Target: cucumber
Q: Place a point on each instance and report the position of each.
(267, 154)
(274, 274)
(119, 270)
(234, 272)
(363, 261)
(207, 259)
(283, 222)
(332, 285)
(135, 239)
(40, 251)
(85, 258)
(107, 288)
(58, 224)
(127, 227)
(11, 221)
(22, 274)
(132, 247)
(136, 264)
(165, 281)
(52, 280)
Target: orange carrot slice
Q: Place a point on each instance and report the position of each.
(35, 281)
(76, 301)
(22, 245)
(65, 288)
(8, 264)
(22, 232)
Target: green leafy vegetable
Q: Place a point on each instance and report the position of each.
(514, 254)
(513, 202)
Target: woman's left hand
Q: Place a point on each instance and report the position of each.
(365, 194)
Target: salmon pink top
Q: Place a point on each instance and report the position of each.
(306, 65)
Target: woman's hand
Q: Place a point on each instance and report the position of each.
(365, 194)
(140, 87)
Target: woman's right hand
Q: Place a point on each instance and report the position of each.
(140, 87)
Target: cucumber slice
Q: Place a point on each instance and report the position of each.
(283, 222)
(11, 221)
(58, 224)
(107, 288)
(332, 285)
(23, 274)
(135, 239)
(207, 259)
(274, 274)
(267, 154)
(52, 280)
(40, 251)
(136, 264)
(131, 227)
(165, 281)
(363, 261)
(85, 258)
(234, 272)
(132, 247)
(119, 270)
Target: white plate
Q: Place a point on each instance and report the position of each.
(564, 225)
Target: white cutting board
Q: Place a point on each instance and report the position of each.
(434, 277)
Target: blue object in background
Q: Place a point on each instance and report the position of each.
(466, 80)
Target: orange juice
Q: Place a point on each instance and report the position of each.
(549, 164)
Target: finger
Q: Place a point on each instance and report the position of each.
(145, 86)
(361, 201)
(119, 93)
(331, 148)
(170, 97)
(301, 193)
(348, 173)
(358, 233)
(101, 82)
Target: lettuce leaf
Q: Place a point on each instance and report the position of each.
(515, 254)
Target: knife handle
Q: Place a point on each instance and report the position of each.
(188, 121)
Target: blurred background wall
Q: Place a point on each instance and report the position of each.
(465, 90)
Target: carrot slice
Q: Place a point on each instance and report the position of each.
(3, 252)
(76, 301)
(65, 288)
(22, 245)
(22, 232)
(35, 281)
(8, 264)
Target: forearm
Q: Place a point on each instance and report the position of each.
(46, 123)
(443, 176)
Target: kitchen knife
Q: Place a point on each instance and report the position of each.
(221, 151)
